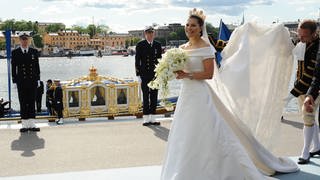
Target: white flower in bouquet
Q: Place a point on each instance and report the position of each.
(173, 60)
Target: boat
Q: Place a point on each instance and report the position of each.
(99, 96)
(122, 52)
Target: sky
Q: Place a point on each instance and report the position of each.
(124, 15)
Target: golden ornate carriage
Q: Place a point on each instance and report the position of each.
(100, 96)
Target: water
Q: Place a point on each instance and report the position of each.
(66, 69)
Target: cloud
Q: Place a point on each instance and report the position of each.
(30, 9)
(227, 7)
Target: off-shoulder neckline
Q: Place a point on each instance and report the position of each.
(196, 48)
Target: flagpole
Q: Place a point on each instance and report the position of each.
(8, 49)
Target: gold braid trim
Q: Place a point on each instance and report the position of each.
(309, 125)
(311, 68)
(300, 92)
(304, 83)
(307, 75)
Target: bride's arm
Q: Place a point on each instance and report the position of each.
(207, 73)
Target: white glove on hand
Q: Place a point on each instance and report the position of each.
(139, 79)
(38, 83)
(298, 51)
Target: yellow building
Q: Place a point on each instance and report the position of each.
(67, 39)
(116, 41)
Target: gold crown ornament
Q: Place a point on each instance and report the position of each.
(198, 13)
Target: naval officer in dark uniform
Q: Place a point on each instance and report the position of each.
(148, 52)
(26, 74)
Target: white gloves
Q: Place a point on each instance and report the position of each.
(139, 79)
(298, 51)
(38, 83)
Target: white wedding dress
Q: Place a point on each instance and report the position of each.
(208, 142)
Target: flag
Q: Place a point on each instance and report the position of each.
(224, 35)
(224, 32)
(8, 49)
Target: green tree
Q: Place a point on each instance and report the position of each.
(103, 29)
(2, 45)
(161, 40)
(37, 39)
(92, 30)
(213, 31)
(8, 24)
(173, 36)
(54, 27)
(134, 41)
(19, 25)
(80, 29)
(181, 34)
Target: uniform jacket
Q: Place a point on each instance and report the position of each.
(315, 85)
(306, 69)
(147, 57)
(25, 67)
(57, 98)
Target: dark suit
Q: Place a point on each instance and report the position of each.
(145, 61)
(39, 93)
(26, 73)
(57, 101)
(49, 99)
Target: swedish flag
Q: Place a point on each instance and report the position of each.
(224, 35)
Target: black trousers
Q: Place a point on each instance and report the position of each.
(38, 101)
(58, 108)
(150, 97)
(27, 95)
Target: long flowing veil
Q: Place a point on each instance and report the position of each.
(254, 77)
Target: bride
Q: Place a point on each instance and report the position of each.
(207, 139)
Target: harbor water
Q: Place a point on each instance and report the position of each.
(64, 68)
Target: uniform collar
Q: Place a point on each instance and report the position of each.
(149, 42)
(22, 49)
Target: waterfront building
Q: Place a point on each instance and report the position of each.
(66, 39)
(43, 25)
(115, 41)
(161, 31)
(73, 40)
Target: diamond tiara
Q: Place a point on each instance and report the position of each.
(198, 13)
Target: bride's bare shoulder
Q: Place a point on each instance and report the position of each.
(183, 46)
(204, 44)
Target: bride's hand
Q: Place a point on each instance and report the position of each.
(181, 74)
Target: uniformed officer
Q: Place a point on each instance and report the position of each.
(26, 74)
(307, 32)
(148, 52)
(39, 94)
(49, 96)
(57, 101)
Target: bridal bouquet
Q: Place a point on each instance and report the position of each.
(173, 60)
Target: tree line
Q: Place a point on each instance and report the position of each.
(91, 29)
